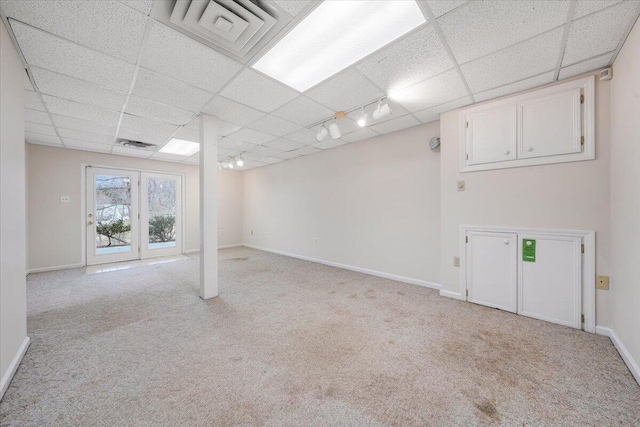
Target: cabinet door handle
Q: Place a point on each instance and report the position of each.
(530, 149)
(506, 152)
(506, 242)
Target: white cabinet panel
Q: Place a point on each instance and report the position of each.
(550, 125)
(491, 268)
(549, 287)
(491, 135)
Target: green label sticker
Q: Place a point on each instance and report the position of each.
(528, 250)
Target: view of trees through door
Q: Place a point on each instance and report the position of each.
(162, 212)
(113, 213)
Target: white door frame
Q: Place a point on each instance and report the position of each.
(588, 263)
(91, 220)
(83, 202)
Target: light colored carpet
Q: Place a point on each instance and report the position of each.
(292, 343)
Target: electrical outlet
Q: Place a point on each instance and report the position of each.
(456, 261)
(602, 282)
(65, 199)
(461, 186)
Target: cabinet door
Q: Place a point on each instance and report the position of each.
(550, 278)
(550, 125)
(491, 262)
(491, 135)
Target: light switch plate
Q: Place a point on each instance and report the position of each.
(456, 261)
(602, 282)
(65, 199)
(460, 185)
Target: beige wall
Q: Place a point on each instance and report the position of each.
(54, 228)
(372, 204)
(13, 308)
(625, 194)
(567, 195)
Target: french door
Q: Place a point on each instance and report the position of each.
(132, 215)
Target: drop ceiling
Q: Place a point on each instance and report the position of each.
(100, 71)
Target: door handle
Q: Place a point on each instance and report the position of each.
(506, 152)
(90, 223)
(506, 242)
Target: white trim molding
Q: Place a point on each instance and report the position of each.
(449, 294)
(624, 353)
(397, 278)
(13, 367)
(55, 268)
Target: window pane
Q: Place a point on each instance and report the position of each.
(113, 214)
(162, 213)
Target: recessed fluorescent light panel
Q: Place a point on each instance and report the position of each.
(180, 147)
(336, 35)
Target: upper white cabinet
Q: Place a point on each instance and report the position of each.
(551, 125)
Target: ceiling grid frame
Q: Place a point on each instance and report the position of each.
(565, 37)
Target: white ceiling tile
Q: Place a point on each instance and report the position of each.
(191, 131)
(46, 51)
(76, 144)
(347, 90)
(440, 7)
(235, 144)
(107, 26)
(252, 136)
(257, 91)
(330, 143)
(193, 160)
(265, 151)
(585, 7)
(85, 136)
(583, 67)
(132, 152)
(483, 27)
(32, 101)
(83, 125)
(274, 125)
(293, 7)
(38, 138)
(34, 116)
(159, 88)
(231, 111)
(409, 61)
(38, 128)
(73, 89)
(134, 135)
(527, 59)
(26, 83)
(396, 111)
(271, 160)
(227, 152)
(252, 157)
(432, 114)
(68, 108)
(284, 144)
(435, 91)
(142, 124)
(396, 124)
(516, 87)
(143, 6)
(154, 110)
(305, 151)
(287, 155)
(599, 33)
(304, 136)
(168, 157)
(225, 128)
(175, 55)
(303, 111)
(364, 133)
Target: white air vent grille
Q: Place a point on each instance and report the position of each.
(136, 144)
(238, 28)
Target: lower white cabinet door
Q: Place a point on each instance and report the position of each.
(550, 278)
(491, 269)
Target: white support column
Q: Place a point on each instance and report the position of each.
(208, 207)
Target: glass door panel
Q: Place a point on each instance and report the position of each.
(112, 215)
(161, 214)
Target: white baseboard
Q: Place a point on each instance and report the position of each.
(449, 294)
(55, 268)
(8, 376)
(195, 251)
(397, 278)
(624, 353)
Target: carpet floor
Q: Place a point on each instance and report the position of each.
(293, 343)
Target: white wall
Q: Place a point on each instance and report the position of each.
(625, 195)
(54, 228)
(372, 204)
(13, 307)
(568, 195)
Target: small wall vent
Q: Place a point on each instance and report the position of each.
(136, 144)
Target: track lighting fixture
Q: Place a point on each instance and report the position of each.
(240, 161)
(322, 134)
(381, 111)
(335, 131)
(362, 121)
(231, 162)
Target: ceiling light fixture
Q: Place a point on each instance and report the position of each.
(381, 111)
(240, 161)
(335, 131)
(231, 162)
(335, 35)
(180, 147)
(322, 134)
(362, 121)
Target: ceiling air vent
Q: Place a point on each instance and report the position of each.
(136, 144)
(237, 28)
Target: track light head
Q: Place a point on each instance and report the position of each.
(240, 161)
(335, 130)
(381, 111)
(322, 134)
(362, 121)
